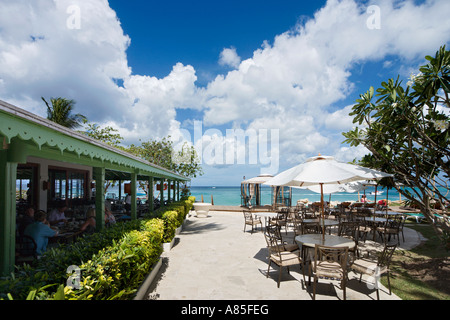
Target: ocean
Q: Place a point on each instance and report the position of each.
(231, 196)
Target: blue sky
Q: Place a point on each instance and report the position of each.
(195, 32)
(286, 72)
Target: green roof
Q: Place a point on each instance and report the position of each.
(30, 135)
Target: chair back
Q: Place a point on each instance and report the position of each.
(26, 246)
(274, 244)
(348, 228)
(362, 215)
(394, 222)
(384, 259)
(363, 212)
(282, 216)
(248, 216)
(310, 227)
(330, 260)
(274, 231)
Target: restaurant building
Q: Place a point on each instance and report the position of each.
(60, 164)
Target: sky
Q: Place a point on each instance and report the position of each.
(256, 86)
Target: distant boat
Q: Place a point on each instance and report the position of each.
(213, 187)
(378, 193)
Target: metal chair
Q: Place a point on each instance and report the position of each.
(274, 230)
(279, 256)
(392, 227)
(250, 220)
(376, 268)
(25, 249)
(310, 227)
(281, 220)
(330, 263)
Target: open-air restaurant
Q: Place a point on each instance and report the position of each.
(54, 181)
(59, 179)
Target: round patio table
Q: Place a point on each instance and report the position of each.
(389, 213)
(325, 223)
(266, 215)
(310, 240)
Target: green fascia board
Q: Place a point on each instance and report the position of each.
(31, 135)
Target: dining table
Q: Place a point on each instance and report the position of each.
(308, 243)
(389, 213)
(310, 240)
(375, 222)
(67, 232)
(323, 223)
(266, 215)
(65, 236)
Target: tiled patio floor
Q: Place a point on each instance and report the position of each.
(213, 259)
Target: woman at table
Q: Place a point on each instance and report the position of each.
(88, 227)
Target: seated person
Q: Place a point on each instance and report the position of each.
(128, 202)
(88, 227)
(109, 218)
(364, 199)
(40, 232)
(56, 216)
(26, 220)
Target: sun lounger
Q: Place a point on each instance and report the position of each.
(419, 216)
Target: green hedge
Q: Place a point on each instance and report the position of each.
(113, 262)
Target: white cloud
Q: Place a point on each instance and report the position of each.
(229, 57)
(41, 56)
(293, 83)
(348, 154)
(340, 120)
(153, 102)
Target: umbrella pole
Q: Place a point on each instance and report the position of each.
(387, 198)
(323, 214)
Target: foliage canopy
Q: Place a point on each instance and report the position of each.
(406, 131)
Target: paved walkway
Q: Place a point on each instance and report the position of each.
(213, 259)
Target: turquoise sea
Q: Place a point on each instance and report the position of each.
(231, 196)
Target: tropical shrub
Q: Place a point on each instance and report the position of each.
(113, 262)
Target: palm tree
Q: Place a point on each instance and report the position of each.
(60, 112)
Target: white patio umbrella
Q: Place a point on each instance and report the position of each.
(324, 170)
(350, 187)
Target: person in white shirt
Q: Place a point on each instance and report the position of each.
(57, 216)
(128, 202)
